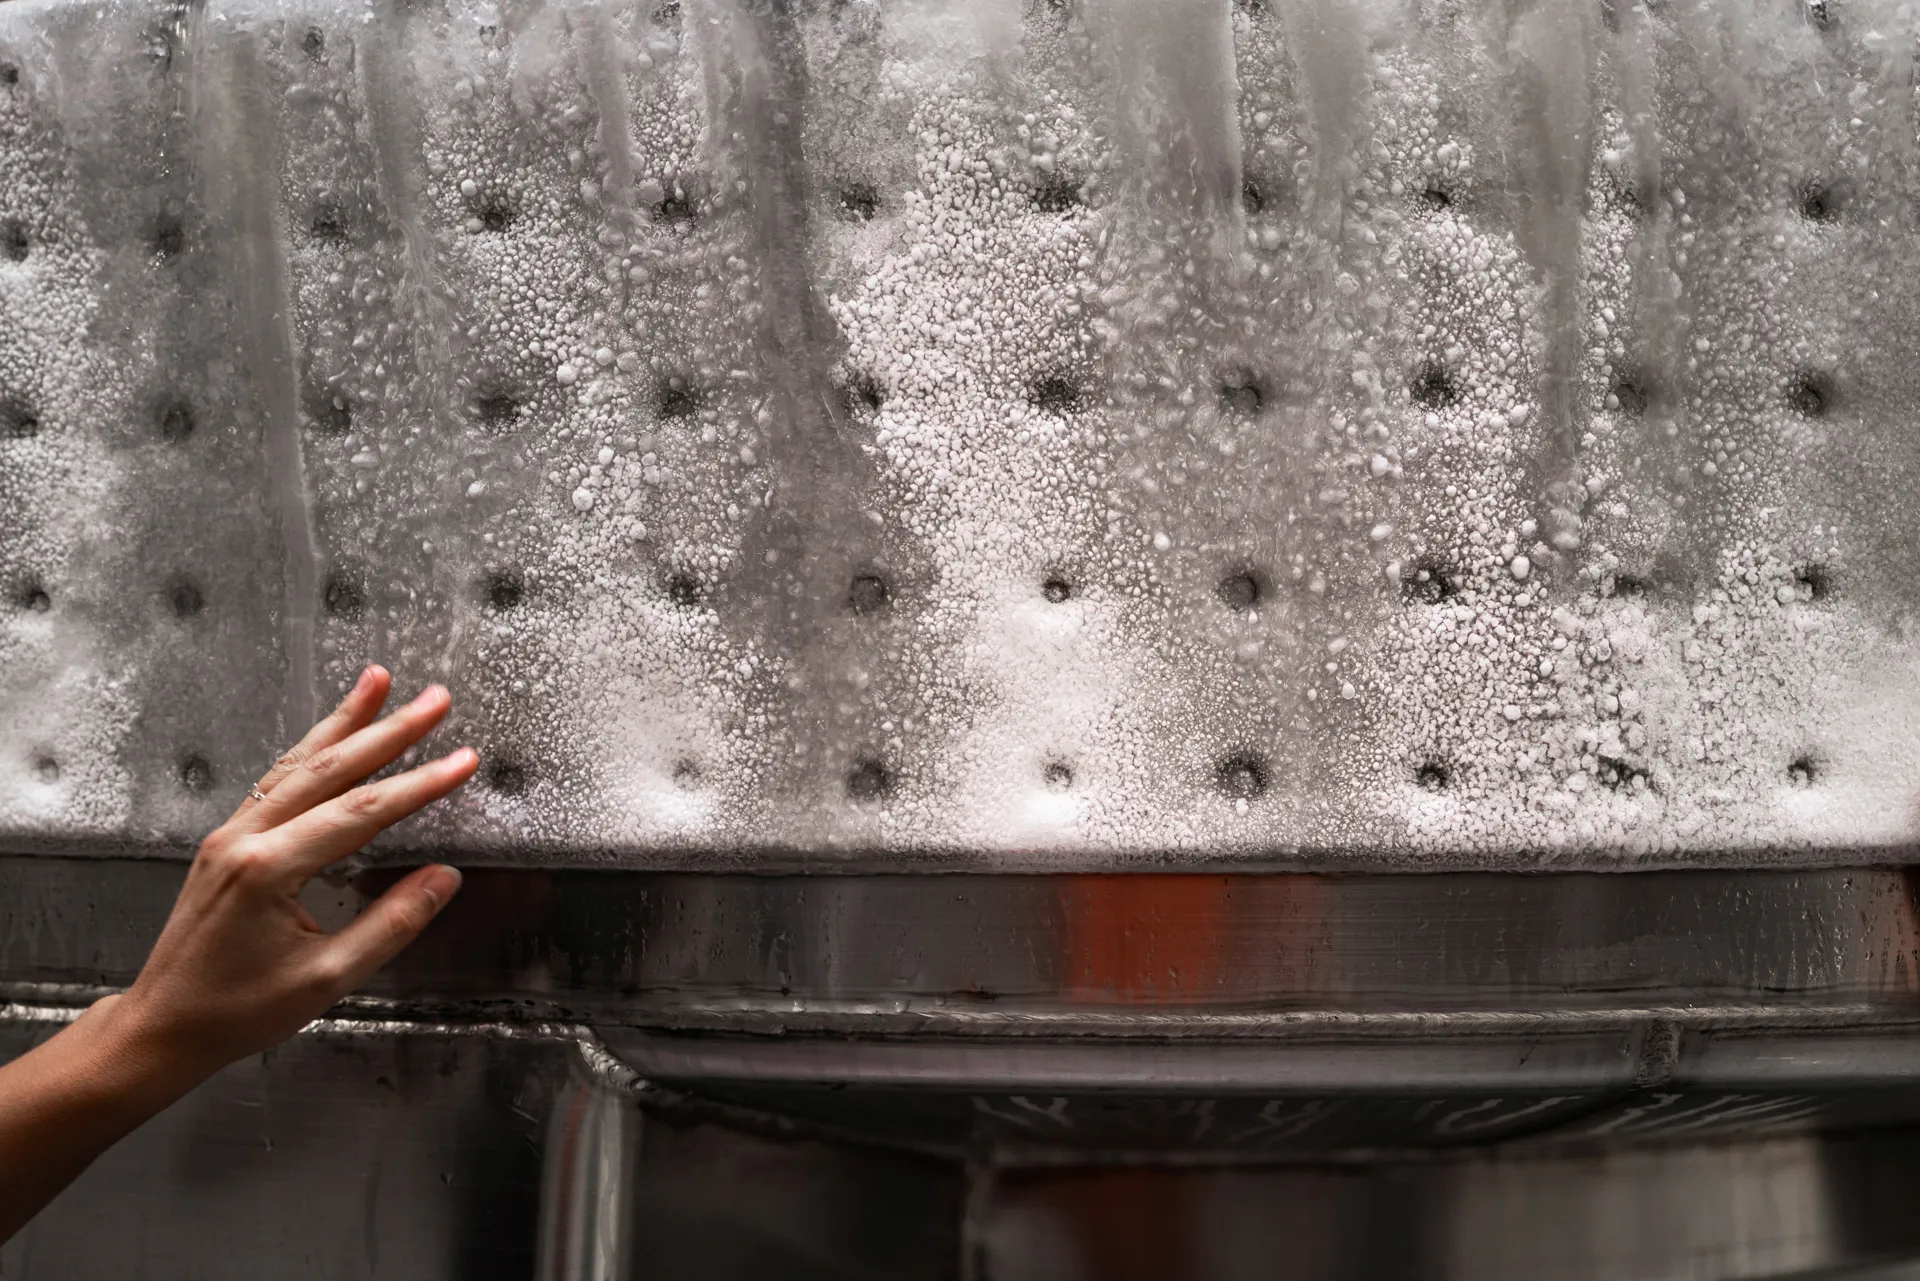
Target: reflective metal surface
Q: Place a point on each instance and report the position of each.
(362, 1150)
(1639, 1076)
(1763, 1209)
(909, 952)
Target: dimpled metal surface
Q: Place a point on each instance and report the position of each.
(1030, 436)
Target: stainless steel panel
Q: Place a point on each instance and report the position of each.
(336, 1155)
(1306, 1014)
(1697, 1214)
(424, 1151)
(1243, 953)
(465, 1153)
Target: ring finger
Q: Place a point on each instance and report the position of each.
(357, 709)
(334, 769)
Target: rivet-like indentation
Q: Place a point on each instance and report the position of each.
(13, 240)
(327, 220)
(508, 777)
(46, 768)
(183, 597)
(1631, 394)
(1239, 592)
(505, 588)
(314, 44)
(1055, 192)
(1436, 196)
(859, 202)
(175, 421)
(196, 773)
(675, 211)
(674, 399)
(1631, 586)
(343, 597)
(1819, 202)
(1058, 775)
(1620, 775)
(869, 780)
(1242, 776)
(1433, 776)
(18, 421)
(684, 590)
(1252, 199)
(1802, 772)
(32, 597)
(1057, 590)
(1054, 394)
(1815, 579)
(494, 211)
(1432, 386)
(329, 411)
(1429, 582)
(868, 594)
(1240, 394)
(497, 407)
(1810, 393)
(864, 389)
(169, 234)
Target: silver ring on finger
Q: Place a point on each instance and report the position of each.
(253, 790)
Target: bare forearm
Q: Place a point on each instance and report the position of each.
(73, 1097)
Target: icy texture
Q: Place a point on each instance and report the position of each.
(1049, 435)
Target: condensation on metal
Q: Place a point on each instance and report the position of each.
(1038, 437)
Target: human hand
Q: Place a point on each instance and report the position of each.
(241, 965)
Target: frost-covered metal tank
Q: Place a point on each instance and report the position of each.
(1343, 434)
(1044, 440)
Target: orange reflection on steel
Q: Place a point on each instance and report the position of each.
(1180, 939)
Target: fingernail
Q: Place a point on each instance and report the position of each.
(462, 758)
(441, 883)
(428, 694)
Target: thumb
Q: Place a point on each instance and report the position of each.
(394, 920)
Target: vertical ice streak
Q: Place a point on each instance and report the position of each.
(1176, 143)
(386, 85)
(1327, 41)
(794, 560)
(1550, 50)
(1175, 102)
(235, 129)
(602, 55)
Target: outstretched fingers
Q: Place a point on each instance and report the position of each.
(330, 831)
(331, 770)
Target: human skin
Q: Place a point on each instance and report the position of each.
(240, 965)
